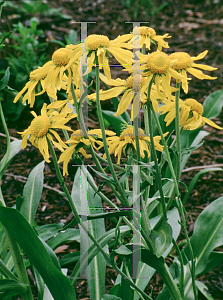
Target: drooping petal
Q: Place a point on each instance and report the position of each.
(211, 123)
(124, 103)
(203, 67)
(199, 74)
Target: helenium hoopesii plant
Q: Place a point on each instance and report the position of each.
(142, 167)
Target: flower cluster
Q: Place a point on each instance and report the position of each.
(150, 79)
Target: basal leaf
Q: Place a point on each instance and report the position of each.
(59, 285)
(15, 147)
(207, 234)
(213, 105)
(4, 81)
(10, 287)
(32, 193)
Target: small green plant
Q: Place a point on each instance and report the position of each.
(136, 7)
(35, 7)
(28, 51)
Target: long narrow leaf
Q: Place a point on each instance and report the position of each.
(15, 147)
(32, 193)
(12, 287)
(97, 268)
(207, 234)
(58, 284)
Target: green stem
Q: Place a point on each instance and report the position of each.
(136, 132)
(7, 139)
(181, 267)
(124, 200)
(160, 266)
(167, 153)
(62, 183)
(148, 173)
(83, 128)
(172, 287)
(178, 172)
(153, 150)
(106, 162)
(177, 129)
(104, 198)
(130, 281)
(184, 225)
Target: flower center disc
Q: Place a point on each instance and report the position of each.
(40, 125)
(183, 60)
(94, 41)
(60, 57)
(130, 132)
(158, 62)
(147, 31)
(194, 105)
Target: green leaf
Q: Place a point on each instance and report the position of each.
(89, 254)
(58, 284)
(69, 259)
(71, 234)
(115, 122)
(146, 271)
(110, 297)
(39, 283)
(19, 200)
(104, 176)
(107, 215)
(48, 231)
(123, 250)
(4, 81)
(11, 287)
(195, 179)
(214, 260)
(115, 290)
(97, 268)
(213, 105)
(72, 37)
(162, 238)
(32, 193)
(15, 147)
(4, 37)
(207, 234)
(203, 289)
(191, 138)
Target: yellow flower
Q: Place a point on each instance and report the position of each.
(190, 114)
(183, 63)
(30, 86)
(99, 45)
(148, 35)
(62, 105)
(52, 77)
(43, 127)
(77, 140)
(157, 66)
(130, 92)
(56, 70)
(118, 143)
